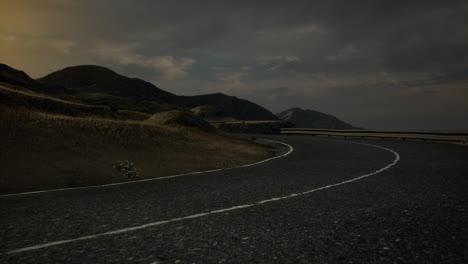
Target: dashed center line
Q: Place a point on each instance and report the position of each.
(218, 211)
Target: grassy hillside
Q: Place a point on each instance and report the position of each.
(231, 106)
(119, 102)
(258, 127)
(18, 97)
(179, 118)
(91, 79)
(100, 86)
(43, 150)
(52, 136)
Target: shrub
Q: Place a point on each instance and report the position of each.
(127, 169)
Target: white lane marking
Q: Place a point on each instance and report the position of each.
(291, 149)
(218, 211)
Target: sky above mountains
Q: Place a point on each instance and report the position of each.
(375, 64)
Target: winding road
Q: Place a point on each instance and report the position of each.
(328, 201)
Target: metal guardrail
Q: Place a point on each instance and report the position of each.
(434, 136)
(442, 133)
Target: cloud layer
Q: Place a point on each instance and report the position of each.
(377, 64)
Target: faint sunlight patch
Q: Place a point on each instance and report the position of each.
(62, 46)
(10, 38)
(171, 67)
(278, 58)
(300, 32)
(348, 52)
(272, 63)
(310, 28)
(232, 80)
(168, 66)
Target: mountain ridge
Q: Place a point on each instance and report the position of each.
(312, 119)
(13, 76)
(94, 78)
(78, 82)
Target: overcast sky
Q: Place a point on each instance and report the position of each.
(375, 64)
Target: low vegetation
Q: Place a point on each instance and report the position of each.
(46, 150)
(88, 125)
(15, 97)
(257, 127)
(119, 102)
(178, 118)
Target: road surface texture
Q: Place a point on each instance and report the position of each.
(410, 207)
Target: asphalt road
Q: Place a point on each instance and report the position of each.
(411, 210)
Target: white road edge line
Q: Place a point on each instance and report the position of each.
(218, 211)
(291, 149)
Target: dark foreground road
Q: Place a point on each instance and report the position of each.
(412, 212)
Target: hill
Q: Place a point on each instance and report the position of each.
(253, 127)
(90, 79)
(58, 136)
(44, 151)
(14, 76)
(119, 102)
(20, 80)
(97, 79)
(178, 118)
(312, 119)
(231, 106)
(15, 97)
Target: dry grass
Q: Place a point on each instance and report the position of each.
(42, 151)
(178, 118)
(27, 99)
(27, 93)
(18, 97)
(249, 122)
(118, 102)
(133, 115)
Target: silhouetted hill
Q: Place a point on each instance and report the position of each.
(100, 86)
(232, 106)
(20, 80)
(89, 79)
(13, 76)
(312, 119)
(97, 79)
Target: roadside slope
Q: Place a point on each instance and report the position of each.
(44, 151)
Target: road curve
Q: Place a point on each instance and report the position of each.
(328, 201)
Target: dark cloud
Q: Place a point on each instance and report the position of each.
(371, 62)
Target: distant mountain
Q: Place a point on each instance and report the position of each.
(312, 119)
